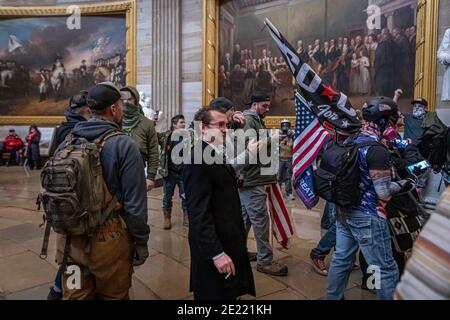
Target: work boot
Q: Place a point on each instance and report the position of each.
(185, 218)
(167, 217)
(319, 265)
(274, 269)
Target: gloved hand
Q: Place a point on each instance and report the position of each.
(405, 185)
(140, 255)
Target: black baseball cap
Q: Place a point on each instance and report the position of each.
(78, 100)
(258, 97)
(103, 95)
(221, 103)
(421, 101)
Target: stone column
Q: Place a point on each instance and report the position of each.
(166, 44)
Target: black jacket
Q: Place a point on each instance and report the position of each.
(216, 226)
(123, 171)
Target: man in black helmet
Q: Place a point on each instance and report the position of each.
(366, 226)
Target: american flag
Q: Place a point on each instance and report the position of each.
(281, 221)
(309, 139)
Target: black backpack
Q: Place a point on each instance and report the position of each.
(338, 177)
(433, 145)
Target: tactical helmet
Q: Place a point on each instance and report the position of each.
(379, 108)
(285, 123)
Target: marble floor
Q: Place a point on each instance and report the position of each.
(165, 275)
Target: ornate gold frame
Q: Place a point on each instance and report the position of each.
(127, 7)
(426, 50)
(425, 77)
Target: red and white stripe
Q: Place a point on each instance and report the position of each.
(281, 221)
(307, 146)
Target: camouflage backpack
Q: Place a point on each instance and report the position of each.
(75, 198)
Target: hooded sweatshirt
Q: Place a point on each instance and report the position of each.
(136, 96)
(123, 172)
(64, 129)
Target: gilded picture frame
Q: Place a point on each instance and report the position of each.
(425, 65)
(128, 8)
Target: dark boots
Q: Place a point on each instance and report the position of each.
(167, 217)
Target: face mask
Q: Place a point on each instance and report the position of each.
(130, 108)
(419, 113)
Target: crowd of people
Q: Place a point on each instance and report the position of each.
(372, 64)
(14, 151)
(222, 201)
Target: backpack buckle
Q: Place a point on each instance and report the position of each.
(65, 153)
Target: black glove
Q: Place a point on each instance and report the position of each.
(140, 255)
(405, 185)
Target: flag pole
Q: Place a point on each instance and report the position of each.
(270, 219)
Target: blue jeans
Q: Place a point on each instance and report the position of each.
(329, 216)
(328, 241)
(325, 245)
(285, 175)
(170, 182)
(254, 213)
(371, 235)
(58, 281)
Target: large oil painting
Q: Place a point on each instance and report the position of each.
(43, 62)
(360, 47)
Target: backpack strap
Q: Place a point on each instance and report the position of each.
(101, 141)
(44, 248)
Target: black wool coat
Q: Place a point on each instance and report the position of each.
(216, 226)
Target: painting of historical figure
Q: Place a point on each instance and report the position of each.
(43, 62)
(360, 47)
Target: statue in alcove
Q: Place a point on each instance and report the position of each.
(444, 58)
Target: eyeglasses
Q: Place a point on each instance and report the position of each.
(220, 125)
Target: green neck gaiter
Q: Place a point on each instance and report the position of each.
(131, 115)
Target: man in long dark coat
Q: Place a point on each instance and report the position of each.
(384, 65)
(402, 54)
(220, 268)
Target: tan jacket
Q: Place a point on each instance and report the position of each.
(286, 149)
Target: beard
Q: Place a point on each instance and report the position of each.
(119, 123)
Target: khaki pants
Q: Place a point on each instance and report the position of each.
(110, 265)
